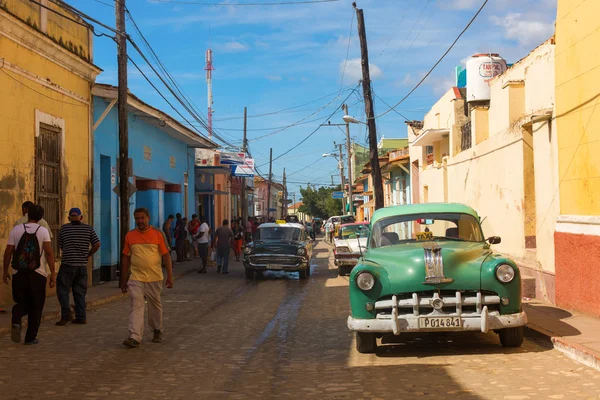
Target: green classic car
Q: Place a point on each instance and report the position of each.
(279, 246)
(428, 268)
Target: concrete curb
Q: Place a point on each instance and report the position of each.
(90, 305)
(577, 352)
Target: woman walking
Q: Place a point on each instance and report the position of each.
(237, 240)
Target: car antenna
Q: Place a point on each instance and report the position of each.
(359, 246)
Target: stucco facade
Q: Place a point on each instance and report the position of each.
(46, 73)
(577, 237)
(163, 160)
(501, 160)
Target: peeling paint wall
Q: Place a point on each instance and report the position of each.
(50, 89)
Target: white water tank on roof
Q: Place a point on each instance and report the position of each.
(481, 68)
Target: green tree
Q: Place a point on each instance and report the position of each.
(319, 203)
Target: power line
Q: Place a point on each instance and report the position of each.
(244, 4)
(347, 50)
(313, 132)
(437, 63)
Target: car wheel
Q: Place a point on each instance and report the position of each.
(511, 337)
(249, 273)
(366, 342)
(308, 269)
(303, 273)
(341, 271)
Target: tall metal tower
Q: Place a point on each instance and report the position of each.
(209, 68)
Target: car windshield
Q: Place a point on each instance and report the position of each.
(279, 234)
(353, 231)
(347, 219)
(423, 227)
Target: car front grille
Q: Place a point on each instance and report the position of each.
(469, 302)
(275, 259)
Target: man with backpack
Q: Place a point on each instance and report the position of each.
(77, 242)
(26, 245)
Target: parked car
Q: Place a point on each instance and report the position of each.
(429, 268)
(349, 246)
(279, 246)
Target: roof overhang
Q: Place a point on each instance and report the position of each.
(430, 136)
(156, 117)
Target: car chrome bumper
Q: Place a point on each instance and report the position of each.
(345, 262)
(483, 322)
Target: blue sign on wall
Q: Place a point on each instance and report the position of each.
(337, 195)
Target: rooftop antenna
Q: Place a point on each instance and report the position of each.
(209, 68)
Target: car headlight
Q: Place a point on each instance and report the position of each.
(505, 273)
(342, 249)
(248, 250)
(301, 251)
(365, 281)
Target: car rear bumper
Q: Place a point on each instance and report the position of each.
(483, 322)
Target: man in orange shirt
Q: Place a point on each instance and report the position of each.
(143, 254)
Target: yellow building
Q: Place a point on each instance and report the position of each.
(46, 73)
(577, 237)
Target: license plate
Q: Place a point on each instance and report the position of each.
(274, 266)
(440, 322)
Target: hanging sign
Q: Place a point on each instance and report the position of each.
(232, 158)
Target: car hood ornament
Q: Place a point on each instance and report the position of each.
(434, 264)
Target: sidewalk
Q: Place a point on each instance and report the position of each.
(576, 335)
(96, 296)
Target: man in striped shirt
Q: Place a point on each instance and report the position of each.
(77, 242)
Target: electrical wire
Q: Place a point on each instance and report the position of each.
(244, 4)
(437, 63)
(347, 50)
(313, 132)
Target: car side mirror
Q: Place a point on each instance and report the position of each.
(494, 239)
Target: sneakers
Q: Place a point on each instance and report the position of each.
(157, 336)
(15, 333)
(80, 321)
(34, 341)
(129, 342)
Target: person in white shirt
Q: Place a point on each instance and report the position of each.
(202, 240)
(29, 273)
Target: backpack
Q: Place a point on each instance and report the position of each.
(27, 255)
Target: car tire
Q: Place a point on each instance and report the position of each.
(511, 337)
(303, 273)
(249, 273)
(341, 271)
(366, 342)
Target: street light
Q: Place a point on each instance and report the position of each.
(351, 120)
(330, 155)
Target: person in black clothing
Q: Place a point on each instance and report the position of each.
(180, 238)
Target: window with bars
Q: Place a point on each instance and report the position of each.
(48, 177)
(465, 136)
(429, 154)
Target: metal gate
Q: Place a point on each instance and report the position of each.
(48, 177)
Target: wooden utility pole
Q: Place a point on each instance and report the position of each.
(123, 129)
(341, 165)
(269, 183)
(369, 110)
(284, 197)
(349, 155)
(244, 194)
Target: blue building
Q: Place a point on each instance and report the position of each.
(162, 153)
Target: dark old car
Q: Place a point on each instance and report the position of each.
(279, 246)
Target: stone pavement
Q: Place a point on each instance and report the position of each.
(277, 337)
(96, 296)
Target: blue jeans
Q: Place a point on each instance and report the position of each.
(72, 278)
(223, 257)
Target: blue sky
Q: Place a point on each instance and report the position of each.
(270, 58)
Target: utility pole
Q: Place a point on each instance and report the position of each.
(341, 165)
(284, 197)
(369, 110)
(244, 194)
(123, 129)
(269, 183)
(349, 155)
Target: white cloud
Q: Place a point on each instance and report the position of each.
(354, 70)
(233, 47)
(274, 78)
(527, 31)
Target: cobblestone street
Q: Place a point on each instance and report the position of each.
(278, 337)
